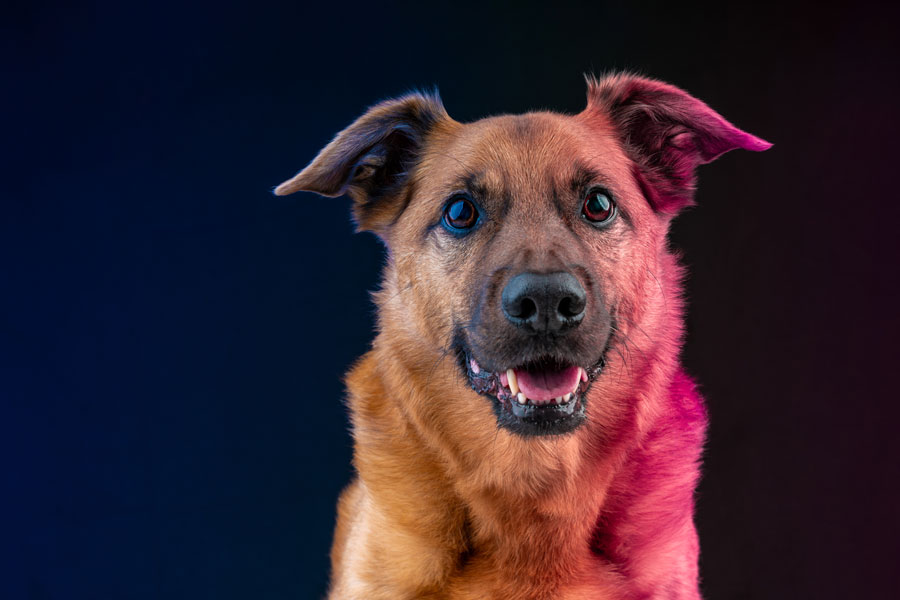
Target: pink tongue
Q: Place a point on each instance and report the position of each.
(542, 386)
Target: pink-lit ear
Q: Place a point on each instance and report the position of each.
(667, 133)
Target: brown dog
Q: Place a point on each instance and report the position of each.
(522, 428)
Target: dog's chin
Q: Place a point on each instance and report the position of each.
(541, 397)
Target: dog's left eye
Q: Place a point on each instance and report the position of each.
(598, 207)
(460, 214)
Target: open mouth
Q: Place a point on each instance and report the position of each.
(539, 397)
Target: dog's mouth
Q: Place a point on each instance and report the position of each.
(540, 397)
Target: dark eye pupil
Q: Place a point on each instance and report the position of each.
(460, 214)
(599, 203)
(460, 211)
(598, 207)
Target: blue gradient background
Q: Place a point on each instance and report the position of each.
(172, 336)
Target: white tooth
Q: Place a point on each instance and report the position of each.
(567, 397)
(513, 382)
(522, 398)
(558, 400)
(582, 376)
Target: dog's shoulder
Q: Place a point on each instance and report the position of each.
(687, 401)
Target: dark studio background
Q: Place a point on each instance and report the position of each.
(173, 336)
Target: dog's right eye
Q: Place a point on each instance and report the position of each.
(598, 207)
(460, 214)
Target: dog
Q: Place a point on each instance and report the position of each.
(522, 427)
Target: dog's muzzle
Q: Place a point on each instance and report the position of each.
(537, 354)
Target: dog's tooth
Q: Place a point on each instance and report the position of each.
(582, 376)
(567, 397)
(513, 381)
(521, 397)
(559, 399)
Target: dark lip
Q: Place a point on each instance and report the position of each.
(528, 420)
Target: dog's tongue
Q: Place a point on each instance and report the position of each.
(545, 384)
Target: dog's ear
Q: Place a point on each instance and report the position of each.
(370, 160)
(667, 133)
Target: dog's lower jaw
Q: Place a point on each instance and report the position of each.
(416, 524)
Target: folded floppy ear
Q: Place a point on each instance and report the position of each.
(667, 133)
(370, 159)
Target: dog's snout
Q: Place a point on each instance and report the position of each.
(544, 302)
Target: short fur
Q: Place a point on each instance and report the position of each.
(447, 504)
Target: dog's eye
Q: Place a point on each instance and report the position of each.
(598, 207)
(460, 214)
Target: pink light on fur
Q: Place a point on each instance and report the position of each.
(667, 133)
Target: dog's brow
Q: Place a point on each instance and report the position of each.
(583, 176)
(474, 182)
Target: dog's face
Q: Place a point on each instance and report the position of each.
(519, 236)
(525, 247)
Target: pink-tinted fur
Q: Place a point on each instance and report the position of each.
(668, 134)
(646, 522)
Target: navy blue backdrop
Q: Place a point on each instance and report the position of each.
(173, 336)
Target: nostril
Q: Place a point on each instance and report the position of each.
(527, 309)
(521, 308)
(570, 306)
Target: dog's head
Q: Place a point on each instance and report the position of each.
(532, 247)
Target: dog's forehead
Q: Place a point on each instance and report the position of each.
(532, 151)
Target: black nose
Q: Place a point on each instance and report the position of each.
(544, 302)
